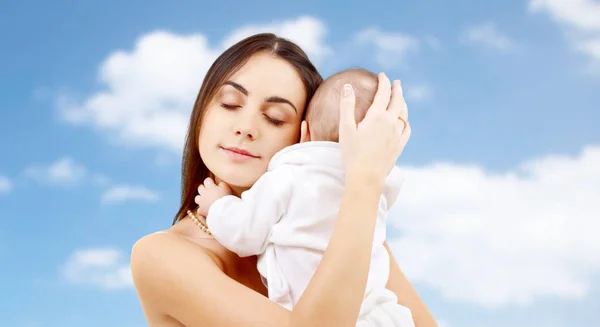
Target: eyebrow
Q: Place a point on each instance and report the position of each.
(273, 99)
(237, 87)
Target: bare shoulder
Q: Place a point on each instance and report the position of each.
(187, 281)
(150, 249)
(156, 270)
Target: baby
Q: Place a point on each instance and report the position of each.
(289, 214)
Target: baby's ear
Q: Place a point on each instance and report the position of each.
(304, 132)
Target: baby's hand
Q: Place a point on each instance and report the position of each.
(208, 193)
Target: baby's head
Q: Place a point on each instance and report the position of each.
(323, 112)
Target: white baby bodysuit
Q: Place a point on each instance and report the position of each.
(287, 218)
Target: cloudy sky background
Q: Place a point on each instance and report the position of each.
(497, 224)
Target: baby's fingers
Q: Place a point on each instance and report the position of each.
(208, 182)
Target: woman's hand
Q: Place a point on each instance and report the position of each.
(373, 145)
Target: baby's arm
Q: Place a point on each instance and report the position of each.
(208, 193)
(243, 224)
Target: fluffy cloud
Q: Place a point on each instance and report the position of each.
(581, 14)
(98, 267)
(148, 92)
(581, 20)
(488, 35)
(5, 185)
(391, 49)
(308, 32)
(64, 171)
(122, 193)
(496, 239)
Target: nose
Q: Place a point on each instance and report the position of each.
(246, 127)
(246, 133)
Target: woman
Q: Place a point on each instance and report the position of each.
(250, 106)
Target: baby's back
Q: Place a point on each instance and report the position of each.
(301, 237)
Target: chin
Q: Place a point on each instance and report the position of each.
(239, 176)
(237, 180)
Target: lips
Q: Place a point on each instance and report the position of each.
(241, 152)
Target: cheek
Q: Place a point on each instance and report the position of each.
(294, 135)
(208, 127)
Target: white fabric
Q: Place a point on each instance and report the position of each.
(287, 218)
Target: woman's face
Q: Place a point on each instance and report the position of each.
(254, 114)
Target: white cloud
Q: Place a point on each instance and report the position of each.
(5, 185)
(63, 171)
(487, 34)
(308, 32)
(122, 193)
(99, 267)
(148, 92)
(418, 93)
(498, 239)
(391, 48)
(581, 20)
(581, 14)
(591, 47)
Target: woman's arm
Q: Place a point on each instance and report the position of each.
(335, 293)
(407, 295)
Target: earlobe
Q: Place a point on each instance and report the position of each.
(304, 132)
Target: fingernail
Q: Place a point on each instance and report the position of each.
(347, 90)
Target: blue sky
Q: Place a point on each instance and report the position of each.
(496, 225)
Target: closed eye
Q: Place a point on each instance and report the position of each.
(229, 106)
(274, 122)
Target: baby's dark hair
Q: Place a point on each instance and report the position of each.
(323, 113)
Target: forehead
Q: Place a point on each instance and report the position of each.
(265, 75)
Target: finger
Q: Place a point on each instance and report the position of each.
(382, 97)
(404, 113)
(403, 123)
(201, 189)
(397, 103)
(347, 105)
(208, 182)
(405, 136)
(197, 199)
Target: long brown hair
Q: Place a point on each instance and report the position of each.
(194, 171)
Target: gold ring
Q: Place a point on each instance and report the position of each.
(404, 121)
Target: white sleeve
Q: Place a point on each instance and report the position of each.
(393, 184)
(242, 225)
